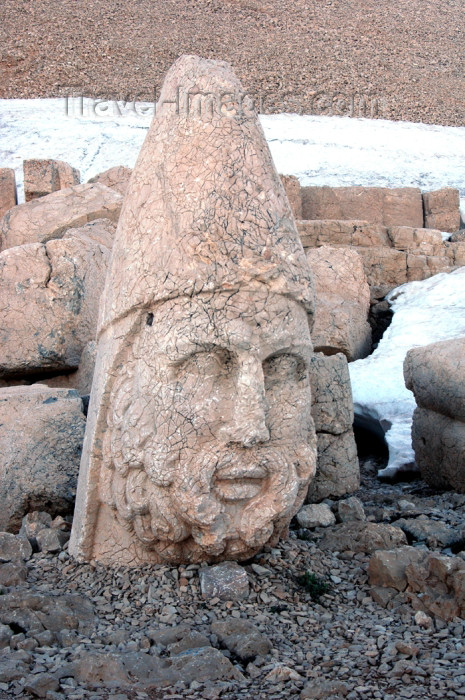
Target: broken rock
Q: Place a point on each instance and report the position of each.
(41, 433)
(46, 218)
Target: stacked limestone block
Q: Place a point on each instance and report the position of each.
(338, 469)
(42, 177)
(436, 375)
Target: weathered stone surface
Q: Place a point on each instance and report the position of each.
(48, 217)
(342, 233)
(32, 524)
(291, 186)
(424, 241)
(421, 267)
(438, 585)
(433, 532)
(178, 639)
(200, 443)
(320, 690)
(81, 379)
(59, 284)
(40, 684)
(51, 540)
(455, 250)
(12, 574)
(439, 445)
(332, 405)
(316, 515)
(442, 209)
(13, 548)
(36, 612)
(12, 669)
(129, 670)
(41, 432)
(338, 470)
(116, 178)
(385, 268)
(241, 638)
(351, 509)
(362, 537)
(226, 581)
(435, 373)
(458, 237)
(6, 634)
(400, 206)
(387, 568)
(8, 196)
(342, 302)
(42, 177)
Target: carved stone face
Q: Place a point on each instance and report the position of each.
(210, 443)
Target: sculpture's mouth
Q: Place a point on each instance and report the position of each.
(239, 482)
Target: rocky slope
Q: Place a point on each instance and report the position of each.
(403, 58)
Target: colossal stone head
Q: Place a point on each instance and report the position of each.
(200, 443)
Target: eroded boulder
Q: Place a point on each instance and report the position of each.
(435, 373)
(49, 300)
(342, 302)
(42, 177)
(41, 434)
(338, 470)
(116, 178)
(47, 218)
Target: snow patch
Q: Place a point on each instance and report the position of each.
(318, 150)
(424, 312)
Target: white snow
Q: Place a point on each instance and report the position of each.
(319, 150)
(424, 312)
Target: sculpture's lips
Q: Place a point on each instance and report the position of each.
(241, 471)
(239, 482)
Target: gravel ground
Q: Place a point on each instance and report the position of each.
(345, 637)
(404, 57)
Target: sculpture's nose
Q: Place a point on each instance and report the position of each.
(247, 424)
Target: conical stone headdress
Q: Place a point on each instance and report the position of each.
(205, 209)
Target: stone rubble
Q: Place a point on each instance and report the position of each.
(81, 631)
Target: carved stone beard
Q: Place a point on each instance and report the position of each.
(184, 504)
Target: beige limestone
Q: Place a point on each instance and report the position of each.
(455, 252)
(342, 233)
(41, 433)
(80, 379)
(420, 267)
(423, 241)
(435, 373)
(385, 268)
(46, 218)
(49, 300)
(332, 405)
(292, 188)
(42, 177)
(338, 470)
(400, 206)
(8, 196)
(342, 302)
(387, 567)
(200, 443)
(442, 209)
(116, 178)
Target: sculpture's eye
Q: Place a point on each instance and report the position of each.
(207, 363)
(285, 367)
